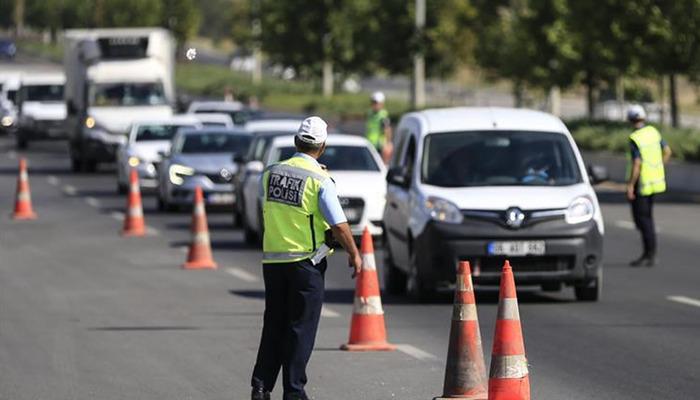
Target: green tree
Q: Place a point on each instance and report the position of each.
(126, 13)
(182, 17)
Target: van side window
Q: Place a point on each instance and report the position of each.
(398, 150)
(410, 157)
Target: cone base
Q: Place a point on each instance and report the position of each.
(368, 347)
(24, 216)
(481, 396)
(206, 264)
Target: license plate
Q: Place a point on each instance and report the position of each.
(517, 248)
(220, 198)
(352, 213)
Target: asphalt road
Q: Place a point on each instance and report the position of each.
(87, 314)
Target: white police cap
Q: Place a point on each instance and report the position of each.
(636, 113)
(313, 130)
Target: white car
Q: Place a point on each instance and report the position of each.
(147, 141)
(8, 100)
(486, 185)
(236, 110)
(41, 108)
(356, 168)
(215, 120)
(273, 125)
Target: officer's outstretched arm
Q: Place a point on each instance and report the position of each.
(343, 235)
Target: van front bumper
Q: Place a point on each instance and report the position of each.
(573, 253)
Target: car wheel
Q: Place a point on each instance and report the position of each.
(22, 143)
(551, 287)
(75, 164)
(88, 165)
(394, 278)
(591, 290)
(416, 286)
(121, 188)
(249, 235)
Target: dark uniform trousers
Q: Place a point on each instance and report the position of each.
(642, 213)
(293, 300)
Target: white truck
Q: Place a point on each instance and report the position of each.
(114, 76)
(41, 111)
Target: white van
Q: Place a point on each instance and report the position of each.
(486, 185)
(41, 111)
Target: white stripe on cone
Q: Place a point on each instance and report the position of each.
(371, 305)
(509, 310)
(368, 262)
(508, 367)
(24, 196)
(464, 285)
(201, 237)
(135, 212)
(464, 312)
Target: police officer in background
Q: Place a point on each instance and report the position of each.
(645, 178)
(378, 129)
(300, 206)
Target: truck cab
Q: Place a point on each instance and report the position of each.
(114, 76)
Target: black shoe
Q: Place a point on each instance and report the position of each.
(650, 261)
(259, 394)
(638, 262)
(297, 397)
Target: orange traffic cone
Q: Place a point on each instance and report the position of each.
(23, 200)
(465, 372)
(508, 378)
(367, 329)
(133, 221)
(199, 256)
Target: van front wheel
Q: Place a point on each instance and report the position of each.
(394, 278)
(416, 286)
(591, 290)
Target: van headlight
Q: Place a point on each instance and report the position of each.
(134, 161)
(443, 210)
(6, 121)
(177, 171)
(580, 210)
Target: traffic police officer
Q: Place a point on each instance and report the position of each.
(645, 178)
(378, 129)
(300, 205)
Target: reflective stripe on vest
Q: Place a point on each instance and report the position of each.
(293, 224)
(652, 177)
(374, 129)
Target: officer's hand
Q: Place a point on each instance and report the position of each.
(355, 262)
(630, 193)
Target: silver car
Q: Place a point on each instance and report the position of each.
(146, 142)
(201, 158)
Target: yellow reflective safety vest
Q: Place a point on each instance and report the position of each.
(652, 178)
(375, 129)
(294, 227)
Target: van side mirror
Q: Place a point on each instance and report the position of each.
(164, 153)
(255, 166)
(597, 174)
(398, 176)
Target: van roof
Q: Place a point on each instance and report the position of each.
(111, 32)
(44, 78)
(485, 119)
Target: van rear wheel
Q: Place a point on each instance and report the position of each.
(591, 290)
(417, 287)
(394, 278)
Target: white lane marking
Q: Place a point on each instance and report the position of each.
(12, 154)
(625, 224)
(184, 249)
(152, 231)
(53, 180)
(118, 215)
(685, 300)
(92, 202)
(415, 352)
(328, 313)
(70, 190)
(242, 275)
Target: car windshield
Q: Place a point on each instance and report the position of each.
(158, 132)
(214, 142)
(239, 117)
(12, 96)
(43, 93)
(126, 94)
(340, 158)
(507, 158)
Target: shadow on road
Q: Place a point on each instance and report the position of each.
(665, 198)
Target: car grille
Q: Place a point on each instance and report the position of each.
(494, 264)
(353, 208)
(217, 178)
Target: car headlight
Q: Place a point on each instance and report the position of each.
(6, 121)
(90, 122)
(134, 161)
(442, 210)
(177, 171)
(580, 210)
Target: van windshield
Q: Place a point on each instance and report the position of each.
(146, 133)
(126, 94)
(504, 158)
(44, 93)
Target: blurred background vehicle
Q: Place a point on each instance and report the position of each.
(484, 185)
(354, 165)
(147, 141)
(114, 76)
(215, 120)
(41, 110)
(8, 49)
(235, 109)
(200, 158)
(9, 86)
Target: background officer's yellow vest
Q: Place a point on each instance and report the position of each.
(375, 130)
(294, 227)
(652, 177)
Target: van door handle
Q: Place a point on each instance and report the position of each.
(393, 204)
